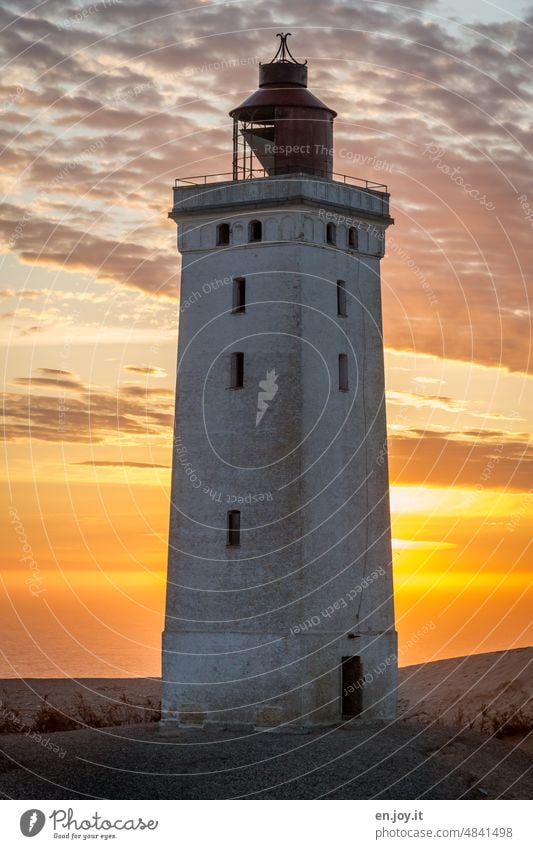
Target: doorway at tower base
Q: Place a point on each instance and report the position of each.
(269, 680)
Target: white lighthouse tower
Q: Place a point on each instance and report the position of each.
(279, 598)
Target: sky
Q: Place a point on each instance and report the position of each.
(102, 106)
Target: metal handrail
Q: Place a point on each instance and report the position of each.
(259, 173)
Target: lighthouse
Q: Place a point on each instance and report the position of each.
(279, 606)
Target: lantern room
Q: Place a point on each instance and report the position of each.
(282, 128)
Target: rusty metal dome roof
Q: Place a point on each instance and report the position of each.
(282, 83)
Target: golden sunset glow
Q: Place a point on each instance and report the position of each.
(89, 312)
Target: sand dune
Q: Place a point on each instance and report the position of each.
(26, 695)
(460, 691)
(477, 690)
(400, 760)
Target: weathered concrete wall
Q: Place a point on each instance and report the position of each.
(256, 633)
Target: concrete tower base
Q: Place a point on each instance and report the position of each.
(301, 682)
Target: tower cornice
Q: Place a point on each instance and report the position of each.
(297, 190)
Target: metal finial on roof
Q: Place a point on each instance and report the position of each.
(283, 51)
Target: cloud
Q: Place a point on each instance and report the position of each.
(134, 464)
(436, 402)
(29, 331)
(124, 414)
(46, 383)
(23, 294)
(133, 390)
(430, 545)
(433, 380)
(59, 372)
(443, 105)
(61, 246)
(481, 459)
(149, 371)
(53, 378)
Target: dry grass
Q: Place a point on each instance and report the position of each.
(84, 714)
(10, 719)
(498, 722)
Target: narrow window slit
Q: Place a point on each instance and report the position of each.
(341, 298)
(234, 528)
(239, 294)
(343, 372)
(237, 370)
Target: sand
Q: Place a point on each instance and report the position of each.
(433, 755)
(364, 761)
(26, 695)
(472, 691)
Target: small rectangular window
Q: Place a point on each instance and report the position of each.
(341, 298)
(343, 372)
(234, 527)
(239, 294)
(237, 370)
